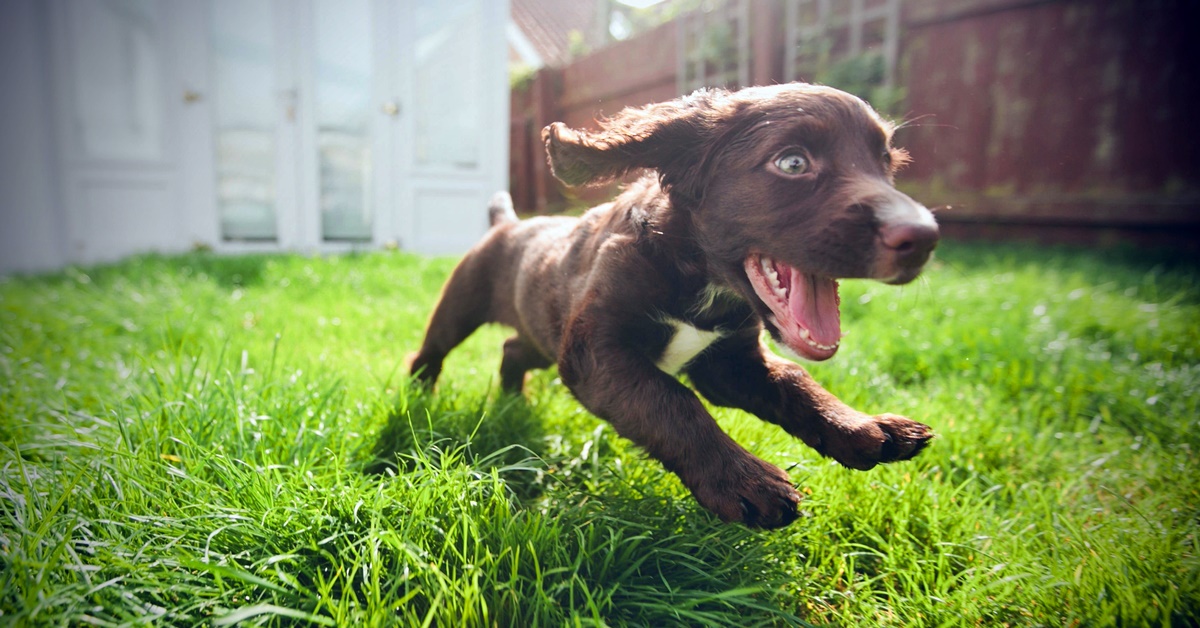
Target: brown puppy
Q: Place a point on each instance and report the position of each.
(763, 199)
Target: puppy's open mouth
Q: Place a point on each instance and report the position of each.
(804, 306)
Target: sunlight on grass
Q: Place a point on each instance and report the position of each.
(234, 440)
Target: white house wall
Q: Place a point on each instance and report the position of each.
(31, 220)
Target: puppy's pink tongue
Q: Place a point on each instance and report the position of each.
(814, 304)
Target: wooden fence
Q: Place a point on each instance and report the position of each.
(1057, 120)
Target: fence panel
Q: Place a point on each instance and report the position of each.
(714, 47)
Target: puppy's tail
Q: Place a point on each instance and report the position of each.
(500, 209)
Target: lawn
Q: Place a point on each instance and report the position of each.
(204, 439)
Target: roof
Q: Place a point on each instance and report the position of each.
(547, 25)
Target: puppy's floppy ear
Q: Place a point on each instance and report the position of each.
(665, 136)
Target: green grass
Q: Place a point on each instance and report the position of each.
(205, 439)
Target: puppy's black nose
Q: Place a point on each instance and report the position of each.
(910, 243)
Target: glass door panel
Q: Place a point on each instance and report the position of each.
(343, 115)
(447, 108)
(246, 114)
(117, 79)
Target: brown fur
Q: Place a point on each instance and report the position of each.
(597, 295)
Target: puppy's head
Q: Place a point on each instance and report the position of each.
(789, 188)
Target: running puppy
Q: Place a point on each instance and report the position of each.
(756, 203)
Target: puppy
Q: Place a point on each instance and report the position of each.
(754, 204)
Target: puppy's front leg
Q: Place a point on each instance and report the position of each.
(670, 423)
(742, 373)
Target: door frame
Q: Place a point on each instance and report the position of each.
(186, 170)
(297, 163)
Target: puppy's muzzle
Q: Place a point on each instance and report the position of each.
(906, 237)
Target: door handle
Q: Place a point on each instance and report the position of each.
(289, 98)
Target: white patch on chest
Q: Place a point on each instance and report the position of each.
(686, 343)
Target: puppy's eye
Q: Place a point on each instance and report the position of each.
(792, 163)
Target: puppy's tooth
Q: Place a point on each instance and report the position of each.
(804, 335)
(817, 345)
(774, 278)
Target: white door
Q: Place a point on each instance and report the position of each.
(111, 62)
(454, 150)
(296, 129)
(278, 124)
(348, 122)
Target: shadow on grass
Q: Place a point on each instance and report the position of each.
(502, 432)
(582, 531)
(229, 271)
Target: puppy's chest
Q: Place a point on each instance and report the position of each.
(686, 342)
(713, 316)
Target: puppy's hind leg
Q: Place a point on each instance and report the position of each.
(519, 357)
(463, 307)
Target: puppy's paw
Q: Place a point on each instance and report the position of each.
(750, 491)
(881, 438)
(424, 369)
(904, 438)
